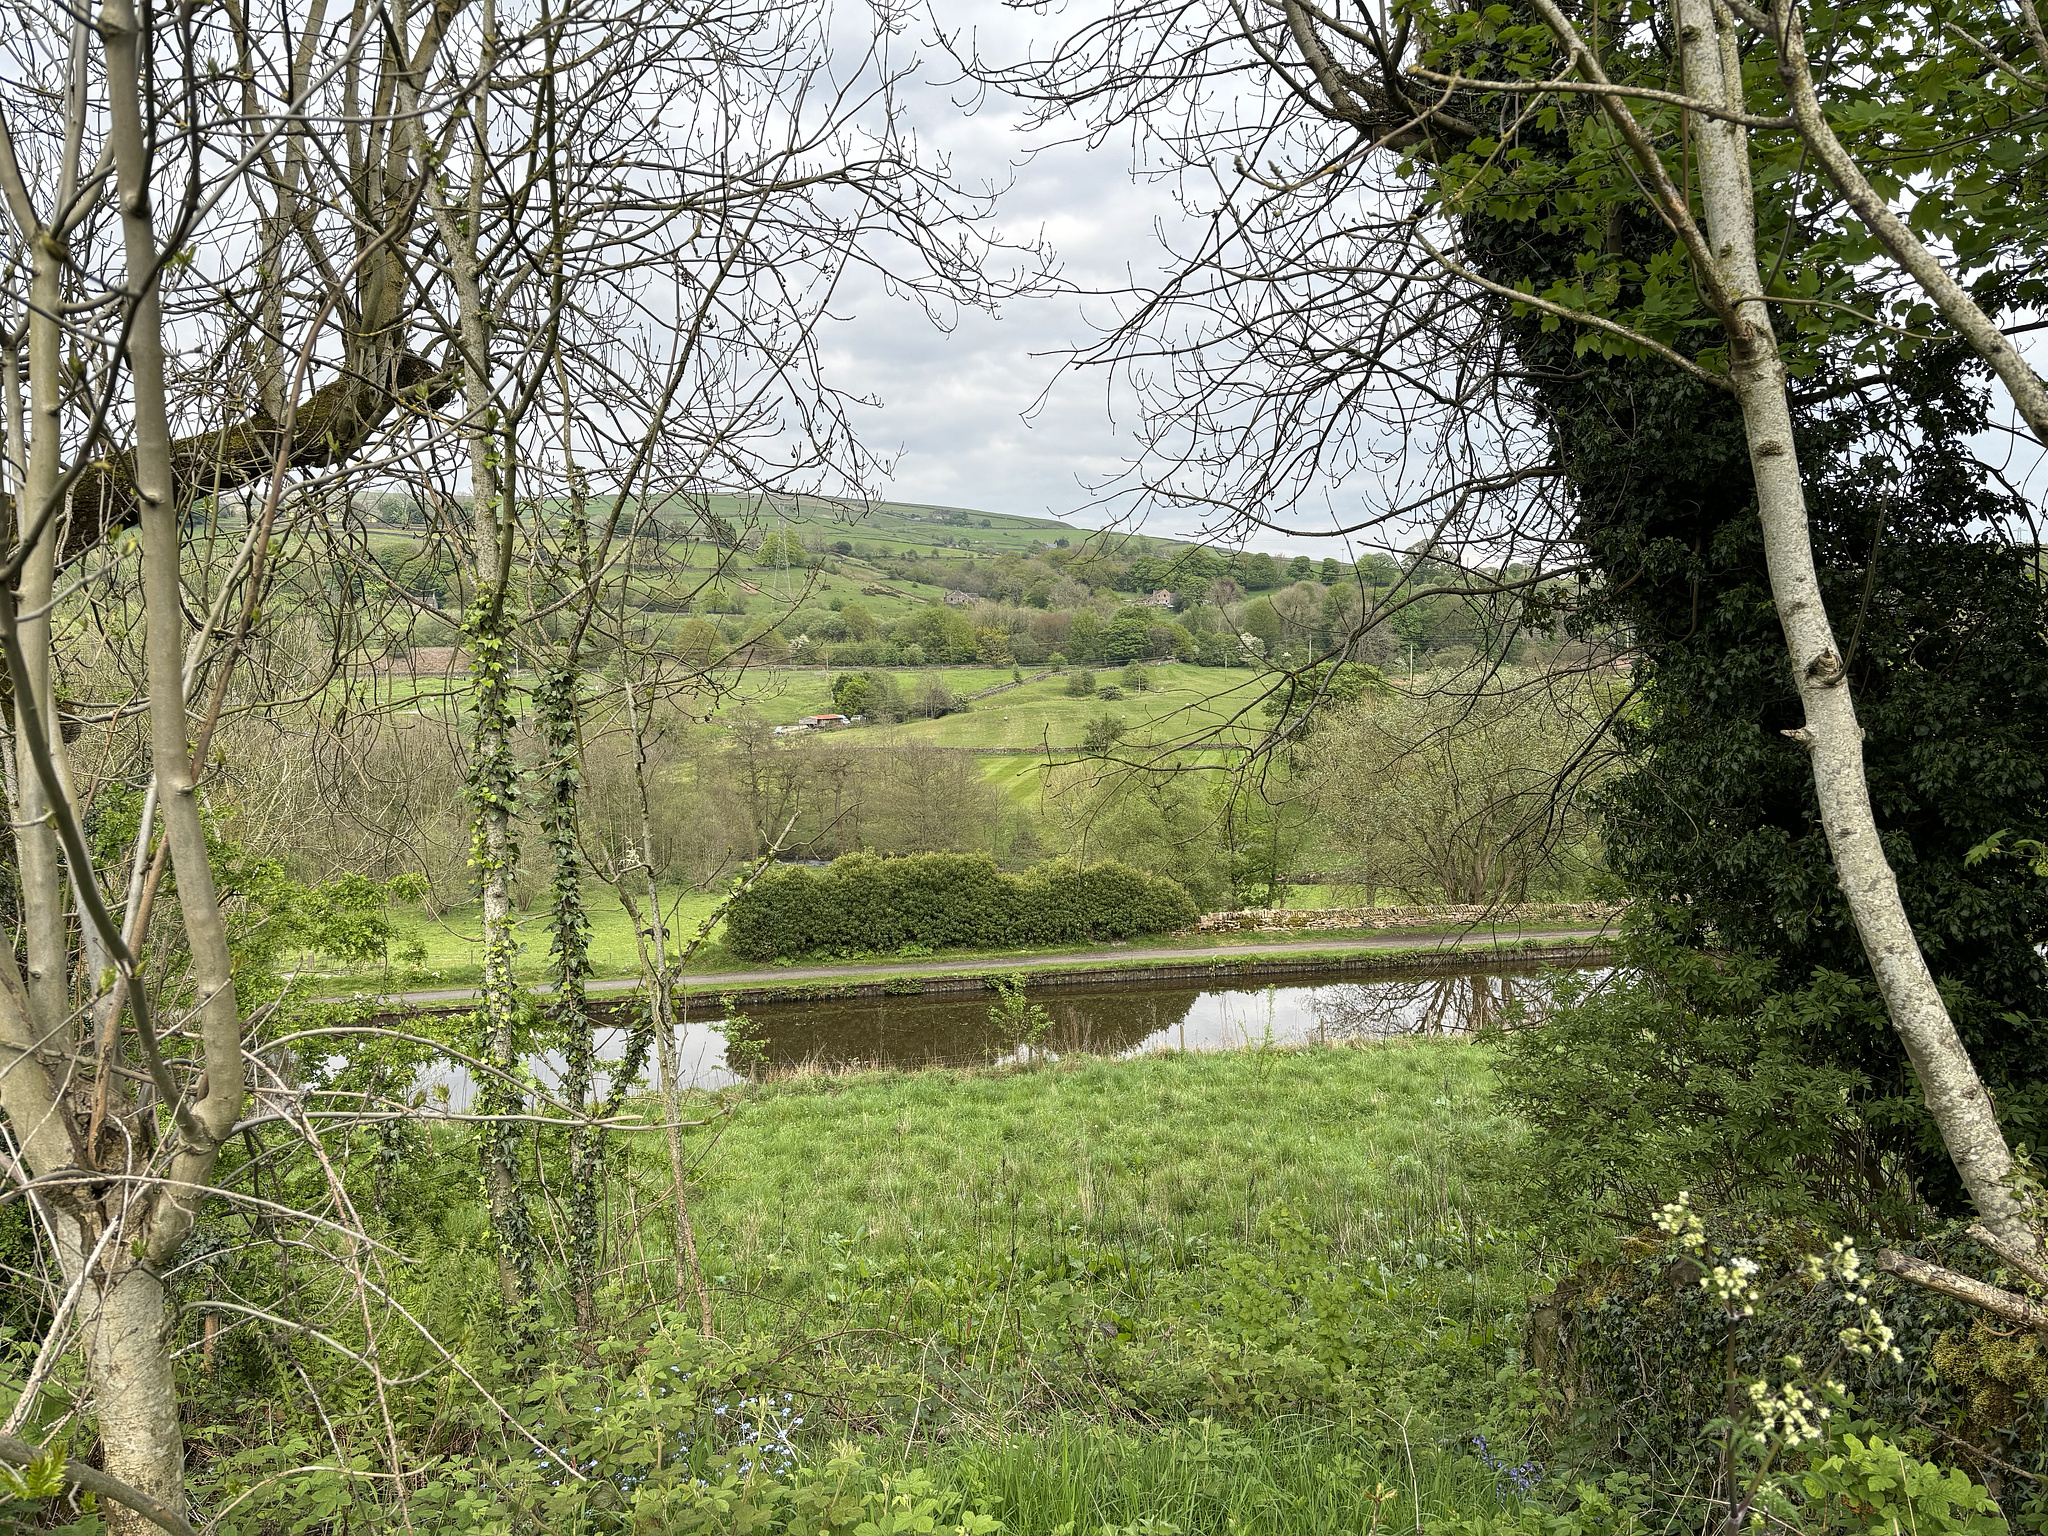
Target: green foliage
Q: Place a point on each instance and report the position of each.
(1129, 636)
(1618, 1504)
(745, 1050)
(663, 1432)
(1084, 636)
(1680, 1071)
(28, 1496)
(1261, 620)
(1646, 1356)
(938, 632)
(1081, 685)
(864, 904)
(782, 548)
(272, 916)
(1906, 89)
(1940, 611)
(1263, 831)
(1016, 1017)
(1100, 736)
(1472, 792)
(1292, 704)
(1877, 1487)
(873, 694)
(1851, 1485)
(1081, 1477)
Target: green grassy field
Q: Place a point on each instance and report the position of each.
(896, 525)
(1385, 1151)
(450, 941)
(1232, 1292)
(1264, 1293)
(1183, 702)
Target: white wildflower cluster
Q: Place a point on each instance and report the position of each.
(1682, 1223)
(1841, 1261)
(1733, 1285)
(1787, 1413)
(1873, 1337)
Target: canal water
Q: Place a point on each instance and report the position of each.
(956, 1029)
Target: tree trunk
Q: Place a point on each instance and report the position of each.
(126, 1331)
(45, 921)
(689, 1271)
(1834, 741)
(493, 773)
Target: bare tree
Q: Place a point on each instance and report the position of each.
(188, 248)
(1327, 307)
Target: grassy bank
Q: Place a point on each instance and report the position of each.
(1125, 1176)
(1272, 1291)
(1231, 1291)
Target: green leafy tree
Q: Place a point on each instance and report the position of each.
(1129, 636)
(1295, 703)
(698, 644)
(873, 694)
(1084, 636)
(940, 634)
(782, 548)
(858, 623)
(1103, 734)
(1262, 620)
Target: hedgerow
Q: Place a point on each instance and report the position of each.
(862, 903)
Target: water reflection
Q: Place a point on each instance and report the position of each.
(954, 1029)
(835, 1034)
(1435, 1005)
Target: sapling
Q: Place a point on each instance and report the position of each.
(1014, 1017)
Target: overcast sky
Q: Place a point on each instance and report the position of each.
(964, 409)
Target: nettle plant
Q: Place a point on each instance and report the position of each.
(1853, 1478)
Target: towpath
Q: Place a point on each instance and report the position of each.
(1477, 939)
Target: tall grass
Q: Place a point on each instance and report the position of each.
(1378, 1149)
(1293, 1478)
(1270, 1230)
(1265, 1291)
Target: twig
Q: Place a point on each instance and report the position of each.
(1582, 88)
(1577, 316)
(97, 1483)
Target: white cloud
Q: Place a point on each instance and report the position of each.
(983, 415)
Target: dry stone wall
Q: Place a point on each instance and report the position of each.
(1585, 914)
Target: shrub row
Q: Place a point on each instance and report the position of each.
(947, 900)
